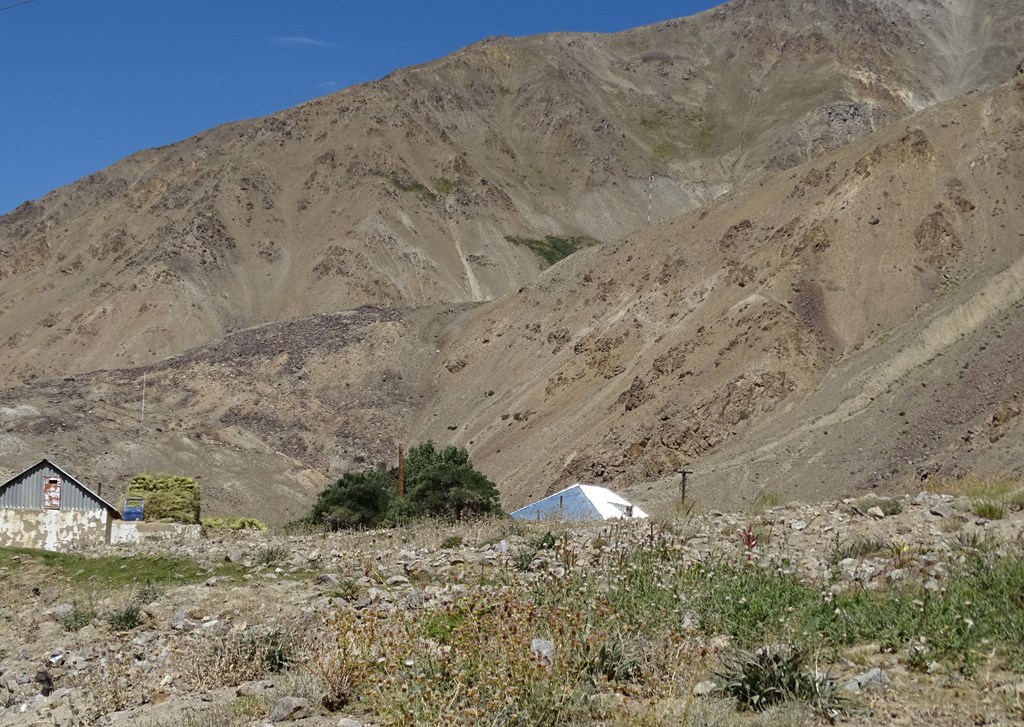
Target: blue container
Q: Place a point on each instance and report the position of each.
(133, 508)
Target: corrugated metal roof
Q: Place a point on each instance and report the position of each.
(580, 502)
(25, 491)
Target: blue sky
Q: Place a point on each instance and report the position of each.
(84, 83)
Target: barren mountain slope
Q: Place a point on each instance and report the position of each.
(403, 192)
(841, 325)
(832, 328)
(264, 417)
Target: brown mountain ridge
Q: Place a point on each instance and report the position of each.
(842, 295)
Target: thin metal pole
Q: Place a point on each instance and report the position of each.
(650, 199)
(142, 419)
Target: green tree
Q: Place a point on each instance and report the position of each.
(358, 499)
(445, 483)
(438, 483)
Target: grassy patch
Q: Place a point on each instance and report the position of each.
(444, 187)
(554, 248)
(703, 140)
(114, 572)
(991, 496)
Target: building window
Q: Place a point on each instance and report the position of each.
(51, 493)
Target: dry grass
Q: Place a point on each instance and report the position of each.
(989, 496)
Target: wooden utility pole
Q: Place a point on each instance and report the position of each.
(401, 472)
(682, 485)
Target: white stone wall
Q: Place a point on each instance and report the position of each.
(135, 531)
(54, 529)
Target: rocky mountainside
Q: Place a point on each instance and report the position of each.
(405, 192)
(817, 260)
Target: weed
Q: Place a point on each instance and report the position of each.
(272, 648)
(147, 592)
(272, 555)
(77, 618)
(441, 626)
(452, 541)
(522, 561)
(612, 662)
(347, 590)
(858, 548)
(989, 509)
(125, 618)
(772, 675)
(547, 541)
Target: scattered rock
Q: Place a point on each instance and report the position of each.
(543, 650)
(705, 688)
(290, 708)
(876, 512)
(872, 679)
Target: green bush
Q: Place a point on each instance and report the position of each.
(438, 483)
(358, 499)
(167, 497)
(445, 484)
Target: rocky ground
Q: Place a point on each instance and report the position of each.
(240, 629)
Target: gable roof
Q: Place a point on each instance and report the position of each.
(65, 473)
(580, 502)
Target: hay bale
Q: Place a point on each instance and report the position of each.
(168, 497)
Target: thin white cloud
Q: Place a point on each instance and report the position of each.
(327, 85)
(299, 41)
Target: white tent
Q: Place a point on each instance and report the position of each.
(580, 502)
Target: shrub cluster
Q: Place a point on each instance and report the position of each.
(438, 483)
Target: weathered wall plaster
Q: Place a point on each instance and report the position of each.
(54, 529)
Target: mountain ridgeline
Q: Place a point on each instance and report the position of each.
(825, 301)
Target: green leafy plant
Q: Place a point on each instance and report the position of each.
(77, 618)
(771, 675)
(125, 618)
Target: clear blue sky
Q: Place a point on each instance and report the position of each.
(84, 83)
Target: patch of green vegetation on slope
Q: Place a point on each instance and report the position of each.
(554, 248)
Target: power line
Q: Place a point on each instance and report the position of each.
(15, 5)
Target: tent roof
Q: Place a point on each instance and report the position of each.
(580, 502)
